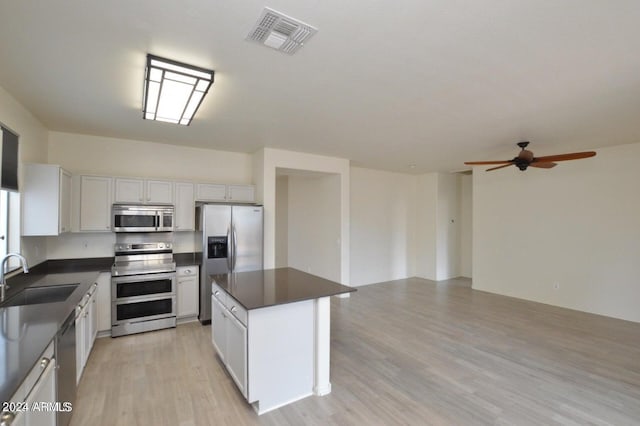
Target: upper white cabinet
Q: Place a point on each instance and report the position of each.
(241, 193)
(95, 203)
(129, 190)
(211, 192)
(159, 191)
(184, 207)
(46, 200)
(228, 193)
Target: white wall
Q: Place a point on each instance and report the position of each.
(466, 229)
(577, 225)
(84, 154)
(448, 226)
(265, 164)
(426, 226)
(383, 220)
(282, 222)
(32, 148)
(314, 225)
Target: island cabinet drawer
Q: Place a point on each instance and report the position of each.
(237, 310)
(219, 293)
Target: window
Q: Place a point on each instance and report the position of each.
(9, 197)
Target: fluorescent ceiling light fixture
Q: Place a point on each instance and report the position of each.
(173, 91)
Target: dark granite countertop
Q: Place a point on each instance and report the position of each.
(269, 287)
(187, 259)
(26, 331)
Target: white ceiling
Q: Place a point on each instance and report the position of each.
(383, 83)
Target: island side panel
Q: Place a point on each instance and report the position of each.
(281, 359)
(322, 336)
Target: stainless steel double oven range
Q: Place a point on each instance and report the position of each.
(143, 276)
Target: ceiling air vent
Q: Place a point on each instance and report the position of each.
(280, 32)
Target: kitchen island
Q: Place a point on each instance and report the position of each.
(271, 329)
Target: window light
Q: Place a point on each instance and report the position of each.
(173, 91)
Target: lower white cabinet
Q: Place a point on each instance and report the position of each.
(229, 337)
(103, 302)
(39, 387)
(43, 392)
(271, 353)
(86, 322)
(188, 291)
(236, 359)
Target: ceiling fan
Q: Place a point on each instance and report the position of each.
(525, 159)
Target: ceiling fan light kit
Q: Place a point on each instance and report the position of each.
(526, 159)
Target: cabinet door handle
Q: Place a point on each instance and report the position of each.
(7, 418)
(44, 362)
(233, 309)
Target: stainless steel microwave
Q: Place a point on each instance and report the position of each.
(141, 218)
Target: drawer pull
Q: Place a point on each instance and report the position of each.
(216, 293)
(233, 309)
(44, 362)
(7, 418)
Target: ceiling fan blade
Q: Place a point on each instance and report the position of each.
(543, 165)
(564, 157)
(480, 163)
(511, 163)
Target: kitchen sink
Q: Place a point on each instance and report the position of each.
(38, 295)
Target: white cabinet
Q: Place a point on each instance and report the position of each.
(158, 191)
(237, 352)
(85, 329)
(39, 387)
(129, 190)
(211, 192)
(43, 392)
(229, 336)
(219, 327)
(184, 207)
(228, 193)
(188, 291)
(241, 193)
(95, 203)
(103, 302)
(46, 208)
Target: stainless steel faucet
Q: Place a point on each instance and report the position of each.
(3, 263)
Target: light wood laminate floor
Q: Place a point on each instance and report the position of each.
(404, 352)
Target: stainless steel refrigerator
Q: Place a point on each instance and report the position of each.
(231, 242)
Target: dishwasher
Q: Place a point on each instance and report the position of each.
(66, 359)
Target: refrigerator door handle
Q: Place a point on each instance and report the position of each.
(229, 249)
(235, 246)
